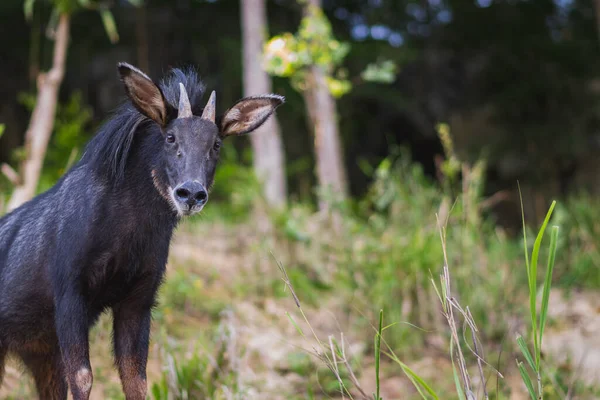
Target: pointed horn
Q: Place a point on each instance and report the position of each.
(185, 109)
(210, 109)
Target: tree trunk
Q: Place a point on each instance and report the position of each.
(322, 112)
(269, 159)
(42, 119)
(321, 108)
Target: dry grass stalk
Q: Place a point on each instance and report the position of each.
(327, 353)
(449, 305)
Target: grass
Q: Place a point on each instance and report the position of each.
(538, 321)
(194, 365)
(378, 356)
(373, 269)
(393, 328)
(202, 374)
(332, 357)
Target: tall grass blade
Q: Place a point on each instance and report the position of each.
(531, 277)
(295, 324)
(524, 232)
(527, 380)
(437, 292)
(378, 353)
(416, 380)
(532, 287)
(525, 351)
(459, 390)
(548, 281)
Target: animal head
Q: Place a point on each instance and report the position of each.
(191, 143)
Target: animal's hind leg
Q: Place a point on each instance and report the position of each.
(49, 375)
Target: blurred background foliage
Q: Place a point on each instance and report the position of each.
(443, 106)
(515, 81)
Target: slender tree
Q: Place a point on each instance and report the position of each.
(322, 111)
(311, 58)
(269, 159)
(41, 124)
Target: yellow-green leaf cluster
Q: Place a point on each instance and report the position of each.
(382, 72)
(289, 55)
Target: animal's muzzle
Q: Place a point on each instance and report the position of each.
(190, 194)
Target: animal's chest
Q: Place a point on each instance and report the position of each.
(112, 276)
(127, 261)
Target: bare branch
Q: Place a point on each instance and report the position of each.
(11, 174)
(42, 119)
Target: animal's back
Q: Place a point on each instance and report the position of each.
(29, 237)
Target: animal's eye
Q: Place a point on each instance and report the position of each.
(217, 145)
(170, 139)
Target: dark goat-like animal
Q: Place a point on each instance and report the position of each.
(99, 239)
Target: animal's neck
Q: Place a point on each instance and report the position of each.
(143, 183)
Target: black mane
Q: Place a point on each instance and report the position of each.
(108, 150)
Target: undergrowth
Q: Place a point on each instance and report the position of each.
(379, 259)
(462, 330)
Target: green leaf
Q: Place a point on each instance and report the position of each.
(381, 72)
(525, 351)
(548, 281)
(415, 379)
(459, 390)
(287, 55)
(2, 128)
(337, 87)
(531, 278)
(295, 324)
(420, 383)
(378, 353)
(109, 25)
(437, 292)
(526, 380)
(532, 287)
(524, 233)
(65, 6)
(28, 8)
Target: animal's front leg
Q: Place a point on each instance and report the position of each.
(131, 340)
(72, 331)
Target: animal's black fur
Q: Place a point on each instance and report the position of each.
(108, 150)
(99, 240)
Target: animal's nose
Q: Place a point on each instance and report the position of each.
(191, 193)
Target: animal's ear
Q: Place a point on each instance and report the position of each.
(145, 95)
(248, 114)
